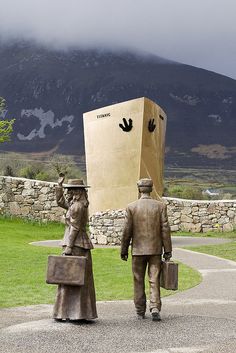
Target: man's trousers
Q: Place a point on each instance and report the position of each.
(139, 265)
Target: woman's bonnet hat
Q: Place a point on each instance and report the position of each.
(75, 183)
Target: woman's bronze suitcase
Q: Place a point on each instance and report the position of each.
(169, 275)
(68, 270)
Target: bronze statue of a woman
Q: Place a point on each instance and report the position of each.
(75, 302)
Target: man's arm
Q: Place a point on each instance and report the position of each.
(127, 235)
(165, 231)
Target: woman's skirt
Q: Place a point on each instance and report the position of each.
(77, 302)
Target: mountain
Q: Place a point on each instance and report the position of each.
(47, 91)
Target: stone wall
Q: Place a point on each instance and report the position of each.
(106, 227)
(184, 215)
(201, 216)
(35, 199)
(31, 199)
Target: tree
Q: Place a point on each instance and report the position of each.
(185, 192)
(6, 125)
(66, 165)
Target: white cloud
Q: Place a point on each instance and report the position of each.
(202, 33)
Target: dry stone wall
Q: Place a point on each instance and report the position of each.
(201, 216)
(35, 199)
(30, 199)
(184, 215)
(106, 227)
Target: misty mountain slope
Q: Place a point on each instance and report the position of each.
(48, 92)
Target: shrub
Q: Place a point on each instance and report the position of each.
(42, 176)
(29, 172)
(175, 191)
(8, 171)
(192, 193)
(185, 192)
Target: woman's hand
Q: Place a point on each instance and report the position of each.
(61, 179)
(67, 251)
(167, 256)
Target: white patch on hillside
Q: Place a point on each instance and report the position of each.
(46, 119)
(228, 100)
(187, 99)
(216, 117)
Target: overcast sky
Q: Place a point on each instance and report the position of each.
(196, 32)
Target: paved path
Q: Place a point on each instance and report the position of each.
(201, 319)
(177, 241)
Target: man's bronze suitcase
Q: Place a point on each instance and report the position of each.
(169, 275)
(68, 270)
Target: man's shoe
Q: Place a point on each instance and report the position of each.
(155, 314)
(141, 316)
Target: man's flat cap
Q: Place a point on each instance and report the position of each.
(145, 182)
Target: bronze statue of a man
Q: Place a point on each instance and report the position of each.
(147, 227)
(75, 302)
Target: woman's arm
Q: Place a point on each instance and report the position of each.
(76, 215)
(60, 198)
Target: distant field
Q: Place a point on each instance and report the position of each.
(204, 178)
(218, 179)
(220, 176)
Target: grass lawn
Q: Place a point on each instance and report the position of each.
(227, 235)
(23, 267)
(226, 251)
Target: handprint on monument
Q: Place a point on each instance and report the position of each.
(126, 126)
(151, 125)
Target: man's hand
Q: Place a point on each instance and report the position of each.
(67, 251)
(124, 257)
(167, 256)
(61, 179)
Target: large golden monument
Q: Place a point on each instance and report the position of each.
(124, 142)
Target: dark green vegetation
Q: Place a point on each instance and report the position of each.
(6, 125)
(23, 266)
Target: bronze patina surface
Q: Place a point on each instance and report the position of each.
(75, 302)
(169, 275)
(68, 270)
(147, 228)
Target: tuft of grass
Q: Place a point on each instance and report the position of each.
(23, 266)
